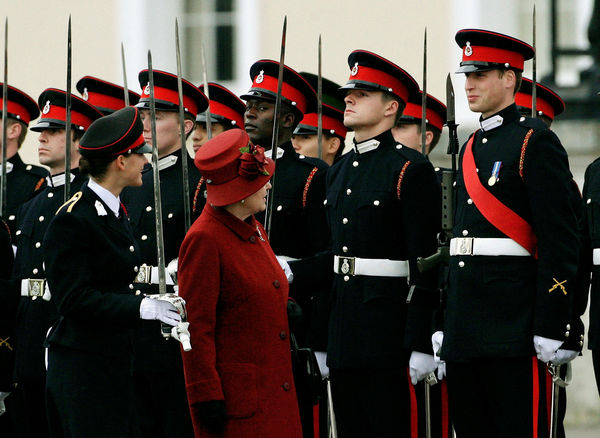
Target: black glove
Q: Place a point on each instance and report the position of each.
(212, 414)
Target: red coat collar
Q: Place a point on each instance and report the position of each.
(242, 228)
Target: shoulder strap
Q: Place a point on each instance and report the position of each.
(498, 214)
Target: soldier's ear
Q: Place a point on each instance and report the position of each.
(391, 107)
(288, 119)
(189, 125)
(14, 131)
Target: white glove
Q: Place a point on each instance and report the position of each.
(441, 370)
(564, 356)
(182, 334)
(322, 361)
(160, 310)
(437, 339)
(286, 268)
(420, 365)
(545, 348)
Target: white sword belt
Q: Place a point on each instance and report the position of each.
(596, 256)
(149, 275)
(370, 267)
(486, 246)
(35, 287)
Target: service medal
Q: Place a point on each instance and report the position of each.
(495, 173)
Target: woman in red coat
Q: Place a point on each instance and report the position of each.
(238, 375)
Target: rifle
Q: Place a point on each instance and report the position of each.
(442, 256)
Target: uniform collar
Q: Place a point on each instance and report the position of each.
(59, 179)
(14, 162)
(280, 152)
(502, 117)
(113, 202)
(373, 143)
(243, 229)
(168, 161)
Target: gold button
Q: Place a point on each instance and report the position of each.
(355, 163)
(465, 233)
(461, 264)
(279, 208)
(344, 248)
(348, 191)
(346, 278)
(469, 201)
(35, 270)
(149, 208)
(50, 194)
(38, 244)
(131, 248)
(345, 220)
(41, 218)
(144, 237)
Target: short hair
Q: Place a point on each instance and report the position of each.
(329, 136)
(518, 78)
(436, 134)
(287, 108)
(386, 97)
(95, 167)
(11, 121)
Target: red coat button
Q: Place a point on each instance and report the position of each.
(283, 335)
(276, 283)
(252, 239)
(286, 386)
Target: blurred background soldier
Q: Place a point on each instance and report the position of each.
(158, 370)
(305, 138)
(105, 96)
(22, 180)
(36, 312)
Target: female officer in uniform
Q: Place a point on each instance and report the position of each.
(238, 375)
(91, 259)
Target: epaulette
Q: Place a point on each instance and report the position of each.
(408, 153)
(310, 161)
(70, 203)
(532, 123)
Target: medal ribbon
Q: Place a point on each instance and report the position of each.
(498, 214)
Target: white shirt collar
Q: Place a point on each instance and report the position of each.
(366, 146)
(269, 153)
(9, 166)
(113, 202)
(166, 162)
(58, 180)
(491, 123)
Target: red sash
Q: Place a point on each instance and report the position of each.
(498, 214)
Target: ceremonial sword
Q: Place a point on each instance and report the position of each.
(67, 190)
(4, 122)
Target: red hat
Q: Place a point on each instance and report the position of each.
(233, 167)
(487, 50)
(225, 107)
(295, 91)
(332, 119)
(547, 102)
(19, 105)
(105, 96)
(54, 112)
(435, 112)
(166, 93)
(369, 71)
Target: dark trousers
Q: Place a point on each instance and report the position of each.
(372, 403)
(499, 398)
(440, 417)
(162, 405)
(26, 406)
(88, 395)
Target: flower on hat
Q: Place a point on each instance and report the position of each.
(252, 162)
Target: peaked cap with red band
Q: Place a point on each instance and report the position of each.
(118, 133)
(435, 112)
(225, 107)
(330, 91)
(369, 71)
(105, 96)
(233, 167)
(486, 50)
(547, 102)
(295, 91)
(53, 101)
(166, 94)
(19, 105)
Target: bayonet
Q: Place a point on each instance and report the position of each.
(184, 152)
(67, 191)
(206, 93)
(424, 98)
(126, 88)
(3, 190)
(320, 107)
(534, 75)
(274, 139)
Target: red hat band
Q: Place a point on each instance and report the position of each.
(329, 123)
(525, 100)
(217, 108)
(368, 74)
(433, 118)
(171, 96)
(269, 83)
(103, 100)
(494, 55)
(57, 112)
(17, 110)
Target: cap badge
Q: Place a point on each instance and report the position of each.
(468, 49)
(147, 89)
(354, 70)
(85, 94)
(260, 77)
(46, 108)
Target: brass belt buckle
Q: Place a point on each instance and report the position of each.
(346, 265)
(35, 287)
(465, 246)
(144, 274)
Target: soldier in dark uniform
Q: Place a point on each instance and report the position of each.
(22, 180)
(7, 428)
(105, 96)
(305, 139)
(91, 259)
(158, 369)
(513, 264)
(383, 205)
(36, 312)
(298, 225)
(226, 112)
